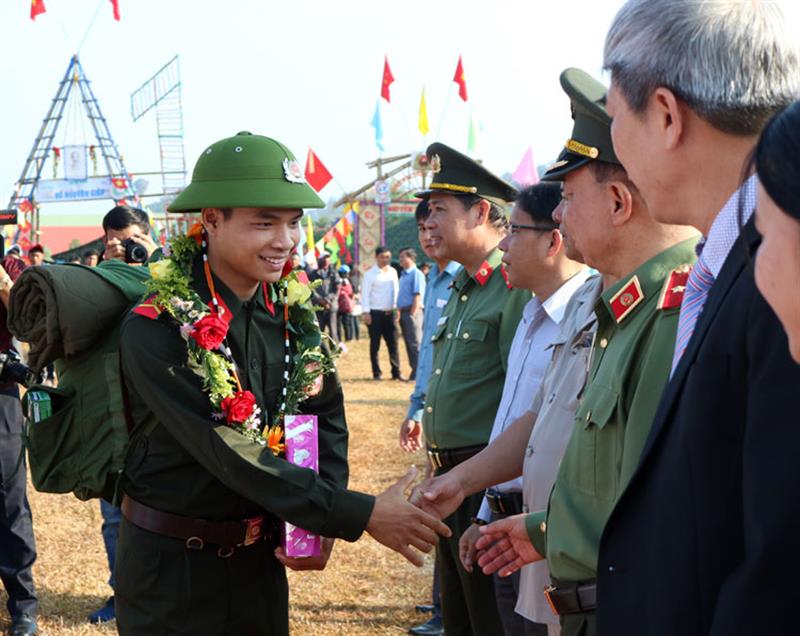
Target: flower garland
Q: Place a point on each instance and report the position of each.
(205, 328)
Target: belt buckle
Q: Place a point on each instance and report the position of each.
(253, 529)
(547, 591)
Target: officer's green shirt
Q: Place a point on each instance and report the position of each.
(629, 369)
(470, 355)
(191, 465)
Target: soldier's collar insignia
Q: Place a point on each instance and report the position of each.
(436, 164)
(505, 276)
(626, 299)
(582, 149)
(483, 273)
(674, 287)
(148, 309)
(292, 171)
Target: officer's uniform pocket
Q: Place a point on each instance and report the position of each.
(474, 350)
(597, 471)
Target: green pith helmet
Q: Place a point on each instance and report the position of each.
(246, 171)
(455, 173)
(591, 133)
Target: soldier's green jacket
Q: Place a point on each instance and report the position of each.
(629, 370)
(470, 355)
(191, 465)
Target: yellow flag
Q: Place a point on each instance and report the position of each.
(423, 115)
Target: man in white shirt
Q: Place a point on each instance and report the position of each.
(379, 289)
(534, 259)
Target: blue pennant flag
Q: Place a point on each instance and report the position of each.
(376, 124)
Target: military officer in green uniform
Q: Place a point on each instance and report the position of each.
(197, 545)
(645, 265)
(471, 343)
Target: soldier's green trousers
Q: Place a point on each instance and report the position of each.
(163, 588)
(469, 607)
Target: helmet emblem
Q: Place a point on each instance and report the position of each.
(292, 171)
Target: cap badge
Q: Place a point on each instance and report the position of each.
(436, 164)
(292, 171)
(582, 149)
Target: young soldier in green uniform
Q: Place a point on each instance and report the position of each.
(197, 551)
(605, 217)
(471, 344)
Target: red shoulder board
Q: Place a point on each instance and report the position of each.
(483, 273)
(674, 286)
(623, 302)
(267, 302)
(148, 309)
(505, 276)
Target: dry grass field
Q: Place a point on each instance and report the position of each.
(365, 590)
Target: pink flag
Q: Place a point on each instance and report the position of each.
(526, 173)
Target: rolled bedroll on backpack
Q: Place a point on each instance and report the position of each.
(70, 315)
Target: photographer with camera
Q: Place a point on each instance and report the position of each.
(17, 546)
(127, 238)
(127, 235)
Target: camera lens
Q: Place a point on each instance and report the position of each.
(134, 252)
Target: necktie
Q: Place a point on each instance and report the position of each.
(694, 299)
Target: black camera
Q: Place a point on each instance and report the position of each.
(12, 370)
(134, 252)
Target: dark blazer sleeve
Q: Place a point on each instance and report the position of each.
(755, 592)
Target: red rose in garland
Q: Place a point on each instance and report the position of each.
(239, 406)
(209, 332)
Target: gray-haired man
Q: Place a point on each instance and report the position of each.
(703, 540)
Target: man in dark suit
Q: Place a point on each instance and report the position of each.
(703, 540)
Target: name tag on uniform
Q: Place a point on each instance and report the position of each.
(441, 302)
(442, 321)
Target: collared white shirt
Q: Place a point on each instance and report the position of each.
(379, 289)
(528, 360)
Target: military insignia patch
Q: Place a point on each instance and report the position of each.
(148, 309)
(292, 171)
(483, 273)
(626, 299)
(436, 164)
(674, 287)
(505, 276)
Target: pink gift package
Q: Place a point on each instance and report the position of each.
(302, 449)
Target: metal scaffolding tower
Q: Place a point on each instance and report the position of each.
(163, 92)
(24, 196)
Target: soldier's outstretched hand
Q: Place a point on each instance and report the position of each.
(506, 546)
(440, 496)
(401, 526)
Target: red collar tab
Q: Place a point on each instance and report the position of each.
(148, 309)
(505, 276)
(483, 273)
(267, 302)
(224, 312)
(674, 286)
(626, 299)
(287, 268)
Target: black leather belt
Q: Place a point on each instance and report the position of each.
(575, 598)
(504, 503)
(445, 459)
(226, 535)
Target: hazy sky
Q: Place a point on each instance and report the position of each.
(307, 73)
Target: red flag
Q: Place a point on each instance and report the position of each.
(37, 8)
(461, 80)
(317, 174)
(388, 78)
(115, 4)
